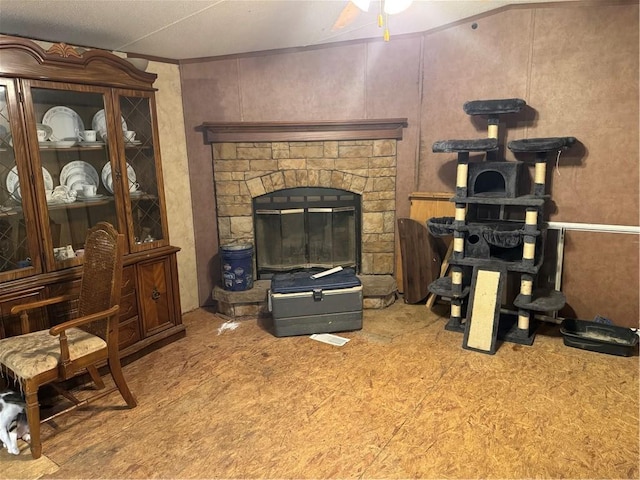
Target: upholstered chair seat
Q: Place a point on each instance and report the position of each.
(33, 354)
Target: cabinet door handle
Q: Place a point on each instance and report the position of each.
(155, 294)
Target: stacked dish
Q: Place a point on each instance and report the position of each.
(91, 144)
(75, 175)
(13, 182)
(96, 198)
(58, 144)
(99, 123)
(64, 122)
(107, 177)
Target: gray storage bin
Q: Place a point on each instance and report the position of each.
(301, 305)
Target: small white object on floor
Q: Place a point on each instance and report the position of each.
(326, 272)
(330, 339)
(227, 326)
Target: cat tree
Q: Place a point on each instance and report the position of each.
(498, 232)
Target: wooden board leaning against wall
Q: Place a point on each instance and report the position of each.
(425, 205)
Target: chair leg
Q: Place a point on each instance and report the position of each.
(33, 418)
(116, 372)
(95, 376)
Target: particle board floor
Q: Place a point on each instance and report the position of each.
(402, 399)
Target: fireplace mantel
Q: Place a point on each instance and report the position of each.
(230, 132)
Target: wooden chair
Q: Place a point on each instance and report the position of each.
(75, 346)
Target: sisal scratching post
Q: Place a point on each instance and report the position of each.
(483, 315)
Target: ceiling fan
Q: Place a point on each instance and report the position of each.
(386, 8)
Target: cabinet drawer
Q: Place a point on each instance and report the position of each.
(128, 306)
(128, 333)
(128, 280)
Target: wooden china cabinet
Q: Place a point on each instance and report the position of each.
(50, 101)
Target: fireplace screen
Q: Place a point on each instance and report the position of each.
(302, 228)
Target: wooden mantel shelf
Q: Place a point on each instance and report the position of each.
(230, 132)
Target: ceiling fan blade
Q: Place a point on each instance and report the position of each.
(346, 17)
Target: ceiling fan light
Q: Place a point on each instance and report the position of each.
(396, 6)
(362, 4)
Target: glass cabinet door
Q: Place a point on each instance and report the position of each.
(18, 231)
(143, 179)
(68, 130)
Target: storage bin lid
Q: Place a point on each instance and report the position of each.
(302, 282)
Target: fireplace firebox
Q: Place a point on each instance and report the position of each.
(305, 228)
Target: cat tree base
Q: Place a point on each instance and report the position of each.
(508, 330)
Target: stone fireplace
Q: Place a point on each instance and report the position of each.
(252, 160)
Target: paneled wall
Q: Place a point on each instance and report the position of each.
(575, 64)
(176, 181)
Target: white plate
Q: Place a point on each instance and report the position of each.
(63, 143)
(60, 144)
(78, 173)
(99, 124)
(77, 180)
(64, 122)
(13, 182)
(107, 179)
(95, 198)
(91, 144)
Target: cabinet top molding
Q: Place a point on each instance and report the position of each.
(221, 132)
(23, 58)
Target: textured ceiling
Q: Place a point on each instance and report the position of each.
(184, 29)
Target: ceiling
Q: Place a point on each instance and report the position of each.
(186, 29)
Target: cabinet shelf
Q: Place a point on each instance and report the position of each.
(11, 212)
(79, 204)
(107, 200)
(146, 196)
(71, 149)
(136, 147)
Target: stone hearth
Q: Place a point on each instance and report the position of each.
(378, 291)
